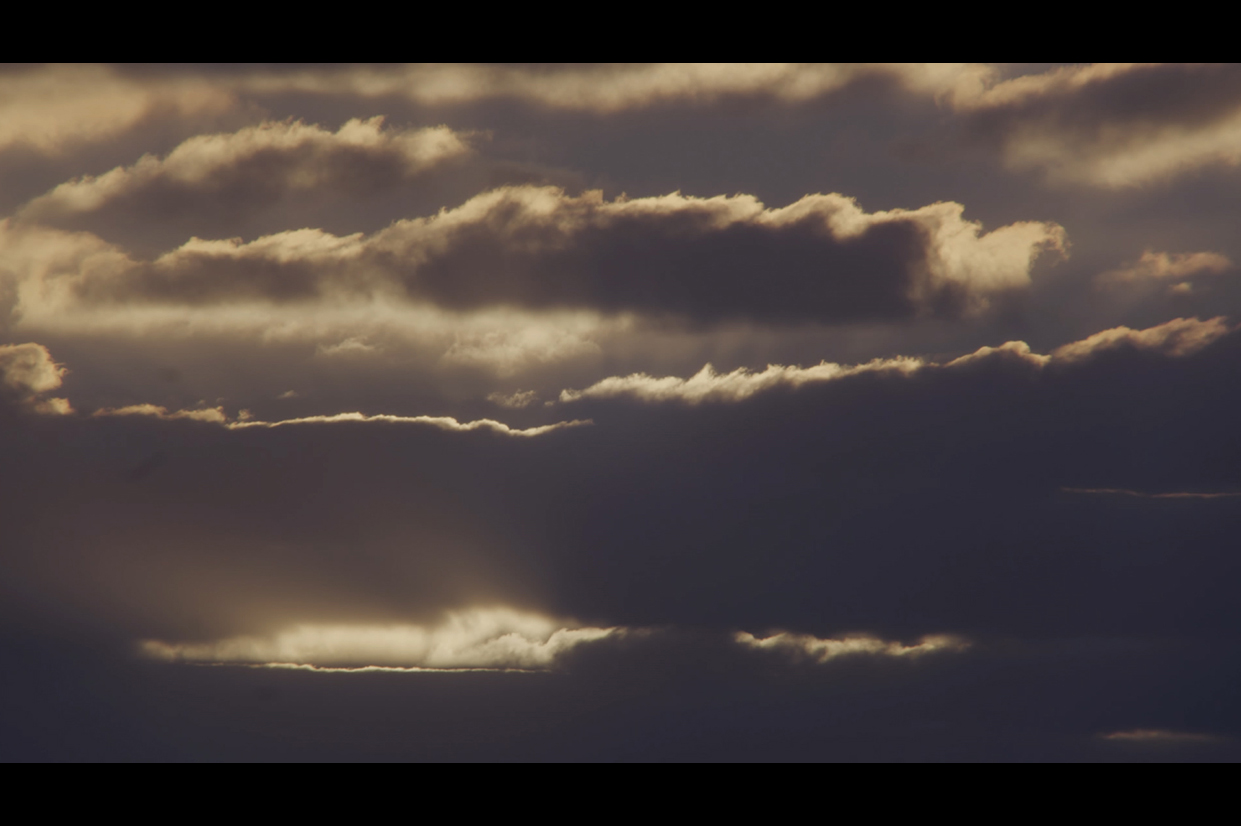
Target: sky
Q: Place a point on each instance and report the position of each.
(620, 412)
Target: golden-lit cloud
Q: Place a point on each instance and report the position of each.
(29, 369)
(56, 108)
(606, 88)
(1177, 338)
(214, 415)
(1175, 268)
(709, 386)
(440, 422)
(516, 400)
(821, 258)
(490, 638)
(805, 646)
(1113, 125)
(28, 372)
(255, 166)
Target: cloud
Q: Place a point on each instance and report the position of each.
(494, 638)
(348, 347)
(507, 351)
(516, 400)
(57, 108)
(1176, 338)
(214, 415)
(821, 650)
(27, 372)
(1160, 737)
(240, 172)
(440, 422)
(29, 369)
(1113, 125)
(1179, 337)
(1162, 266)
(609, 88)
(820, 259)
(1140, 495)
(708, 385)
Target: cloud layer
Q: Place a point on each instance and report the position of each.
(337, 390)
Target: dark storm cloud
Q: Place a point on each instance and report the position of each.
(820, 259)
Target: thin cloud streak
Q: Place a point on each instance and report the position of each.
(822, 650)
(1140, 495)
(1177, 338)
(1160, 737)
(440, 422)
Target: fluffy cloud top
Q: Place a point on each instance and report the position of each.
(27, 372)
(28, 369)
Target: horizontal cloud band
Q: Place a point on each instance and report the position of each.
(493, 638)
(1179, 337)
(820, 259)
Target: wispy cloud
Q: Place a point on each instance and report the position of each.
(822, 650)
(440, 422)
(1140, 495)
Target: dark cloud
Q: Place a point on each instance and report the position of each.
(821, 259)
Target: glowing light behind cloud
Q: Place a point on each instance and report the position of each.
(498, 638)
